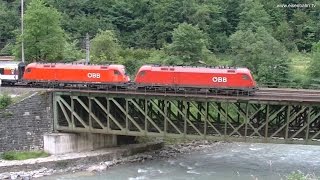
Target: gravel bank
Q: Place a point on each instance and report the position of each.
(91, 161)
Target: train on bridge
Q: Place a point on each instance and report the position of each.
(155, 77)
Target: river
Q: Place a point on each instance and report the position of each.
(241, 161)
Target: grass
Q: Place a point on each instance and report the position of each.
(299, 66)
(22, 155)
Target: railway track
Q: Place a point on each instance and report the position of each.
(263, 94)
(288, 90)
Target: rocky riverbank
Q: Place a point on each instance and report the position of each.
(97, 161)
(56, 164)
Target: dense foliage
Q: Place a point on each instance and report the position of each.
(105, 47)
(260, 52)
(188, 47)
(254, 33)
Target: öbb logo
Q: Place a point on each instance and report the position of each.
(219, 79)
(93, 75)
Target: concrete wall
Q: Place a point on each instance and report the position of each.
(61, 143)
(23, 124)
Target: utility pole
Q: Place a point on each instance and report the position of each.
(22, 45)
(87, 49)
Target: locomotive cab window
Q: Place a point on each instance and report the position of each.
(142, 73)
(116, 72)
(245, 77)
(28, 70)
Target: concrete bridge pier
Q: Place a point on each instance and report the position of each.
(60, 143)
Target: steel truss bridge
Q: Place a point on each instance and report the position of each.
(272, 115)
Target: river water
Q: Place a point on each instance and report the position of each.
(241, 161)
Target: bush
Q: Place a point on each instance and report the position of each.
(298, 175)
(5, 100)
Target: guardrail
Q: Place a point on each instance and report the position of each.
(314, 85)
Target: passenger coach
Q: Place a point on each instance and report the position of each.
(11, 71)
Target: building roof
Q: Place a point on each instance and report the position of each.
(6, 58)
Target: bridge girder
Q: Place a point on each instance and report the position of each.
(192, 118)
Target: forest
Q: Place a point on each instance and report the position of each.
(278, 40)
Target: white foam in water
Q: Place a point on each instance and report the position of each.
(210, 173)
(192, 172)
(189, 167)
(182, 164)
(142, 170)
(137, 178)
(171, 162)
(255, 149)
(160, 171)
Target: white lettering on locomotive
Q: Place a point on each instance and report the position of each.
(94, 75)
(219, 79)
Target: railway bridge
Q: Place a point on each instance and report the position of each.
(270, 116)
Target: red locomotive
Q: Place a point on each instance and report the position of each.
(66, 74)
(181, 77)
(220, 80)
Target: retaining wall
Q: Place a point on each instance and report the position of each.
(23, 124)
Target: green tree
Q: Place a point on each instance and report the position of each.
(188, 46)
(43, 37)
(276, 14)
(253, 15)
(167, 16)
(305, 29)
(71, 52)
(9, 21)
(314, 66)
(208, 17)
(261, 53)
(105, 47)
(83, 16)
(285, 34)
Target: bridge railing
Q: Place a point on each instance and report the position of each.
(226, 92)
(315, 84)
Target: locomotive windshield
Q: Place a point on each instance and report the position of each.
(142, 73)
(116, 72)
(245, 77)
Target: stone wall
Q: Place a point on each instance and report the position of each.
(23, 124)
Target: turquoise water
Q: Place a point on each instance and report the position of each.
(226, 161)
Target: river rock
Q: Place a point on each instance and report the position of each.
(98, 168)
